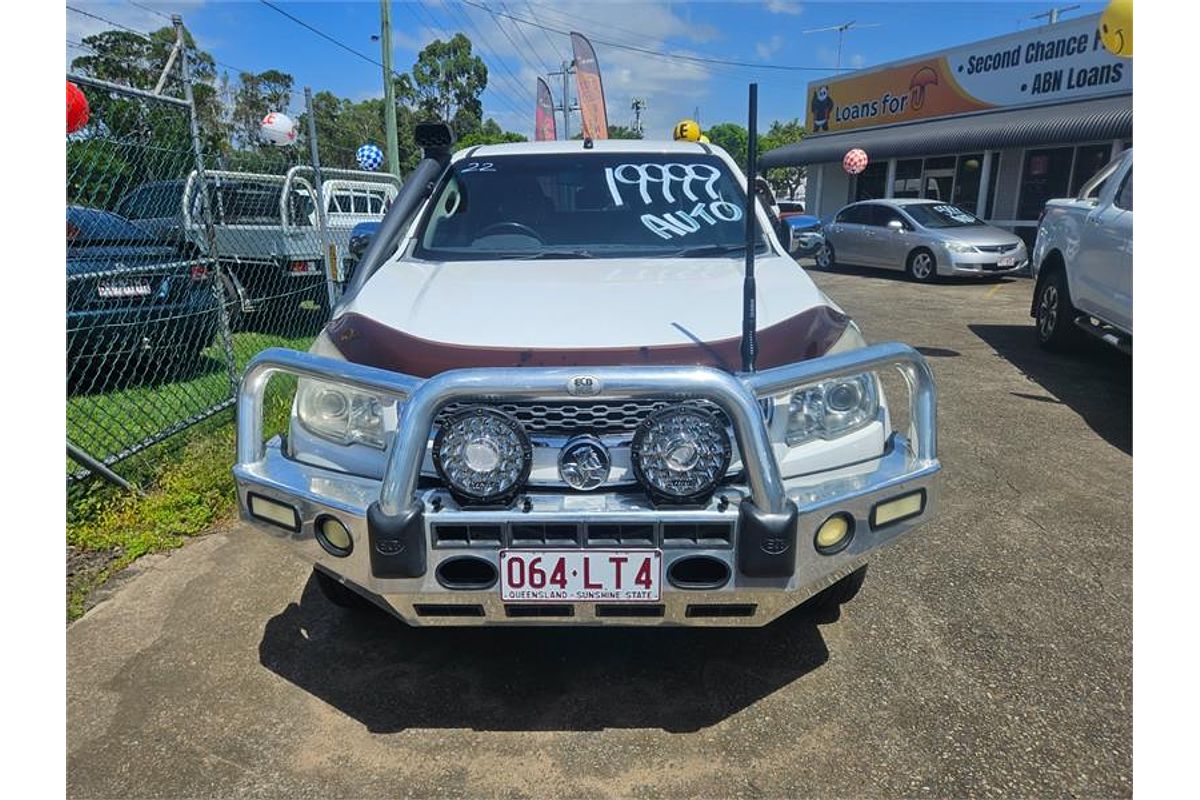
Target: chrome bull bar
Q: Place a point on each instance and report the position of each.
(736, 395)
(769, 511)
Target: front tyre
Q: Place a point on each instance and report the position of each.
(830, 598)
(824, 257)
(1055, 314)
(922, 266)
(338, 593)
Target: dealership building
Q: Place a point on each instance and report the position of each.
(996, 127)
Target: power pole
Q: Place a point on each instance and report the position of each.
(568, 69)
(1052, 15)
(389, 90)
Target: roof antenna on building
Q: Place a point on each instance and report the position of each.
(841, 30)
(749, 291)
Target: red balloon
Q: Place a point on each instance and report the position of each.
(77, 108)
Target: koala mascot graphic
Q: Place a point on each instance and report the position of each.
(822, 106)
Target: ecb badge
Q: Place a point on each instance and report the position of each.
(584, 463)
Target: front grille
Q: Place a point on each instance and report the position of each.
(996, 248)
(599, 534)
(598, 417)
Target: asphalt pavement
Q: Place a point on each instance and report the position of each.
(989, 652)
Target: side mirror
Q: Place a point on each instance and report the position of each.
(895, 225)
(787, 235)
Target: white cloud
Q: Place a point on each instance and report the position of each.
(767, 49)
(142, 20)
(672, 87)
(784, 7)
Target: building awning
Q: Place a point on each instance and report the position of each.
(1087, 120)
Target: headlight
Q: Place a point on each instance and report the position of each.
(339, 413)
(960, 247)
(680, 454)
(483, 455)
(832, 408)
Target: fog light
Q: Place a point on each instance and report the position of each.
(334, 537)
(274, 512)
(834, 534)
(898, 509)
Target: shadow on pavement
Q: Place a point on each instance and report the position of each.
(1094, 380)
(392, 677)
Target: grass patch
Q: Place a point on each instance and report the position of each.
(105, 423)
(187, 480)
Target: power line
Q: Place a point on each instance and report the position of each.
(545, 34)
(148, 8)
(523, 92)
(493, 87)
(521, 32)
(325, 36)
(656, 53)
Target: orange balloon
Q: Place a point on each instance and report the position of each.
(77, 108)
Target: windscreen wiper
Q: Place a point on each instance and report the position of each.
(551, 254)
(712, 250)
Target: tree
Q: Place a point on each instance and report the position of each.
(732, 138)
(622, 132)
(257, 94)
(137, 61)
(785, 180)
(447, 81)
(490, 133)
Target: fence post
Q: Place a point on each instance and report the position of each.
(210, 234)
(331, 265)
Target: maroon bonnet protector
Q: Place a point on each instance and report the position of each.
(364, 341)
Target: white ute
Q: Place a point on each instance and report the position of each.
(533, 406)
(1083, 262)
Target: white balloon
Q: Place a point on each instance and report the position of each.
(278, 128)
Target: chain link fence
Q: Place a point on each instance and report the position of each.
(182, 264)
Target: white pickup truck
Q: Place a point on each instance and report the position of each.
(528, 407)
(1083, 262)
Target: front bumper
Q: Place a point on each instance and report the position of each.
(760, 527)
(982, 263)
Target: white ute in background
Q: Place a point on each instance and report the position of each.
(1083, 262)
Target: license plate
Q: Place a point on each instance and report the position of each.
(108, 289)
(581, 576)
(1007, 261)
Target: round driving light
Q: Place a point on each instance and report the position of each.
(334, 537)
(680, 454)
(834, 534)
(483, 455)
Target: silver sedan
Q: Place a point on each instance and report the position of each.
(925, 238)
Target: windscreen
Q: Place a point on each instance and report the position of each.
(585, 205)
(941, 215)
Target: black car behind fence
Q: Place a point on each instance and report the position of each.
(159, 319)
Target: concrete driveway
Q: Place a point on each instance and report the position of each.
(988, 654)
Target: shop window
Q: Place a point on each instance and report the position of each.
(1047, 175)
(938, 180)
(1089, 159)
(871, 183)
(907, 182)
(966, 181)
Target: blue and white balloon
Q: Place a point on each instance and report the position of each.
(369, 157)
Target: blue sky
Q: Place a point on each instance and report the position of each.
(245, 34)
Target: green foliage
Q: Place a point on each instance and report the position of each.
(732, 138)
(133, 60)
(258, 94)
(490, 133)
(622, 132)
(447, 81)
(785, 180)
